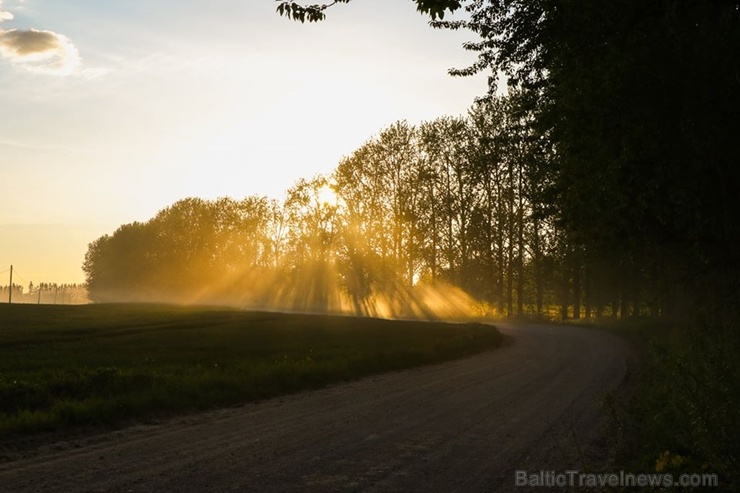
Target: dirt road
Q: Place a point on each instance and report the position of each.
(463, 426)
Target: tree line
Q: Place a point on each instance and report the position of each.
(45, 293)
(457, 202)
(602, 185)
(639, 104)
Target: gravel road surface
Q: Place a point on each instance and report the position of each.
(462, 426)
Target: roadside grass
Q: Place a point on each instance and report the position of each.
(683, 413)
(69, 367)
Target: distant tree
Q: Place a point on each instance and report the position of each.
(359, 188)
(118, 266)
(194, 248)
(446, 145)
(312, 232)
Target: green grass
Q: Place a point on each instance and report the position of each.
(683, 414)
(66, 367)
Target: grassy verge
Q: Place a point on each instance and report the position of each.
(65, 367)
(683, 416)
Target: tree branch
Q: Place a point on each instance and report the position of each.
(314, 13)
(303, 13)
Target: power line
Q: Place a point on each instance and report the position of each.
(22, 279)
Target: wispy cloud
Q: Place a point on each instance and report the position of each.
(37, 50)
(4, 15)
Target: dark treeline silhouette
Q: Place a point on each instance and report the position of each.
(46, 293)
(641, 104)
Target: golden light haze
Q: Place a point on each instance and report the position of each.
(166, 100)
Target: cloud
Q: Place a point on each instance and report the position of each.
(39, 51)
(36, 50)
(4, 16)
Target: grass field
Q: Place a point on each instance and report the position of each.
(65, 367)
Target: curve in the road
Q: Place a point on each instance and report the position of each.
(463, 426)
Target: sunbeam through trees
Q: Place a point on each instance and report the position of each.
(445, 219)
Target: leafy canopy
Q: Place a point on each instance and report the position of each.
(316, 12)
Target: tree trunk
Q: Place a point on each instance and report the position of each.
(576, 286)
(537, 259)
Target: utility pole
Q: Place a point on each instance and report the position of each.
(39, 300)
(10, 291)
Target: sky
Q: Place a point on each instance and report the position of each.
(112, 111)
